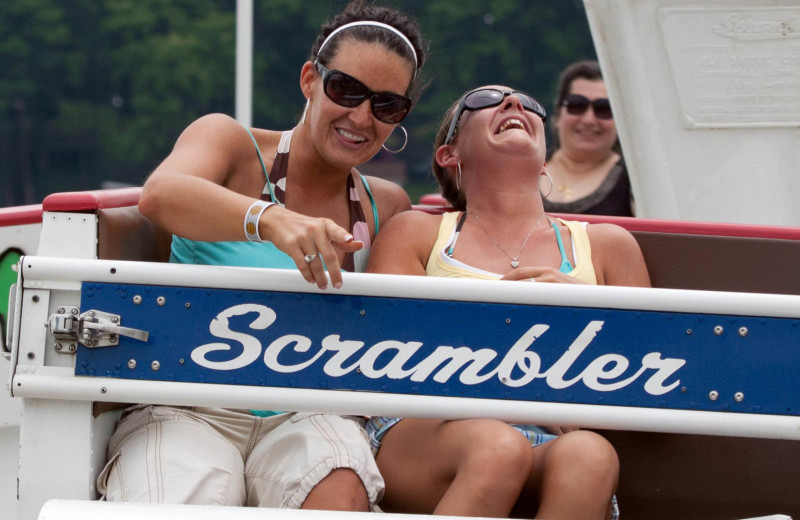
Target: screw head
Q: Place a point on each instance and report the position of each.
(155, 365)
(131, 364)
(743, 331)
(59, 346)
(713, 395)
(137, 299)
(738, 397)
(718, 330)
(62, 310)
(161, 301)
(72, 347)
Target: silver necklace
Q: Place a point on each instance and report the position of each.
(514, 262)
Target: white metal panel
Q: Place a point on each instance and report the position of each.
(24, 237)
(369, 403)
(42, 272)
(81, 510)
(9, 461)
(68, 235)
(708, 118)
(56, 434)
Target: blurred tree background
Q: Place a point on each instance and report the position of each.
(94, 93)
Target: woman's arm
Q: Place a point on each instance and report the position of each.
(404, 244)
(616, 256)
(197, 191)
(201, 192)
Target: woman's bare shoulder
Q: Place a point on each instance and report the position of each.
(405, 242)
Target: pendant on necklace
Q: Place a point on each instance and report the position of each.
(514, 263)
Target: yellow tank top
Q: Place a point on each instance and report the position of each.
(439, 264)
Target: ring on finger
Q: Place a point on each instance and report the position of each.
(310, 258)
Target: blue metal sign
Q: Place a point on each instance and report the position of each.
(443, 348)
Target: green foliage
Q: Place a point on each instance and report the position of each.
(94, 90)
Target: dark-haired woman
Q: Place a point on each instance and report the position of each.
(253, 197)
(589, 174)
(489, 158)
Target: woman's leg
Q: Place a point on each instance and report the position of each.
(474, 467)
(313, 461)
(574, 476)
(167, 455)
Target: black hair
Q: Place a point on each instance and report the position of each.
(588, 70)
(359, 10)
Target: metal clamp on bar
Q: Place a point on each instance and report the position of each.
(92, 328)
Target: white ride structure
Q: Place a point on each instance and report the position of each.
(693, 381)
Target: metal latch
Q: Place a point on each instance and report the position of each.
(91, 328)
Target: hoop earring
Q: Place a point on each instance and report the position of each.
(544, 172)
(305, 110)
(458, 177)
(405, 135)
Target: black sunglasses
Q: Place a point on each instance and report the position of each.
(491, 97)
(347, 91)
(577, 105)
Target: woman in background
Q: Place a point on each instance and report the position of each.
(588, 172)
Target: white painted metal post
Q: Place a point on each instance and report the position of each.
(244, 62)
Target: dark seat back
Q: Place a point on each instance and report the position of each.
(124, 234)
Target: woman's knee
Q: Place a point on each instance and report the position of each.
(497, 448)
(595, 457)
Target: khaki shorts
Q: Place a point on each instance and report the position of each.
(216, 456)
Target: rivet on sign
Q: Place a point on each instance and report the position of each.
(137, 299)
(155, 365)
(131, 364)
(718, 330)
(713, 395)
(161, 300)
(743, 331)
(739, 397)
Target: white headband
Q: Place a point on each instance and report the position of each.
(373, 24)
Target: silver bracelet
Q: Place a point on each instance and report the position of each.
(251, 219)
